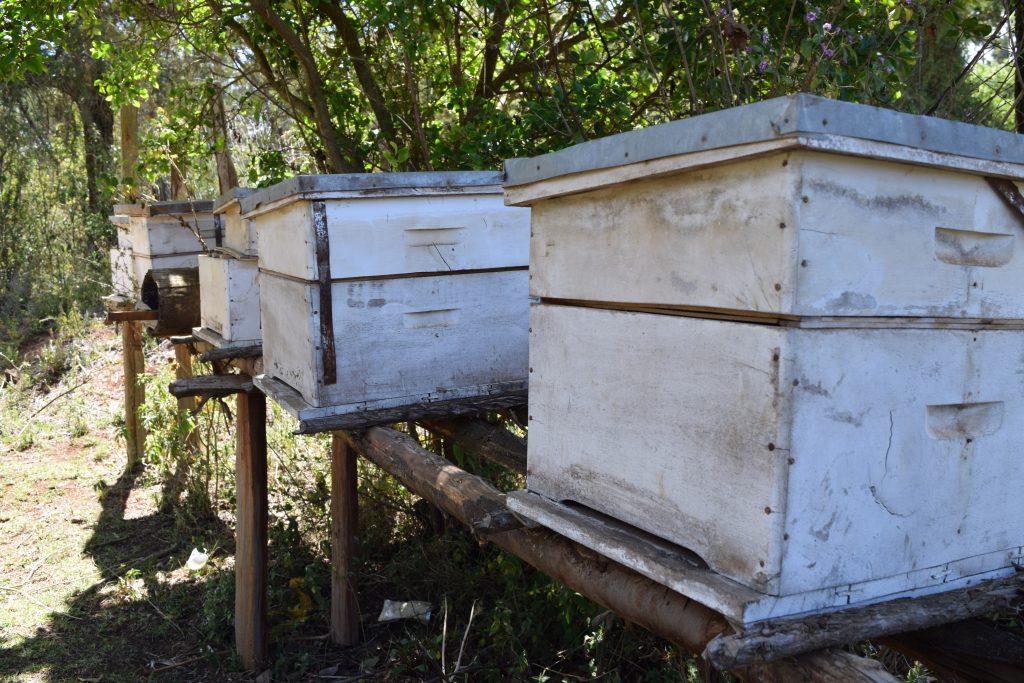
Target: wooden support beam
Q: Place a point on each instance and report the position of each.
(211, 385)
(972, 651)
(131, 316)
(788, 637)
(462, 495)
(251, 530)
(134, 363)
(421, 411)
(232, 353)
(632, 596)
(824, 631)
(186, 404)
(344, 528)
(488, 440)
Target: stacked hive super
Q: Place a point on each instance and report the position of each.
(157, 236)
(784, 342)
(384, 293)
(228, 278)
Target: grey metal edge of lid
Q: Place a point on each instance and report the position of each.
(234, 194)
(369, 182)
(180, 207)
(781, 117)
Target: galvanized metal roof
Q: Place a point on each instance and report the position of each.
(370, 184)
(782, 117)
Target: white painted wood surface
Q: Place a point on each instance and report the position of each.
(129, 269)
(797, 233)
(230, 297)
(854, 463)
(397, 235)
(669, 565)
(399, 339)
(161, 234)
(239, 233)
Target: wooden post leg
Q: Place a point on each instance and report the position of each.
(251, 530)
(183, 370)
(134, 393)
(344, 516)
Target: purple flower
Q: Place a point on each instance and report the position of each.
(828, 52)
(881, 59)
(826, 27)
(722, 12)
(764, 38)
(763, 66)
(811, 16)
(849, 38)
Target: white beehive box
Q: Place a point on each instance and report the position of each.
(379, 291)
(826, 408)
(160, 235)
(229, 300)
(229, 279)
(239, 235)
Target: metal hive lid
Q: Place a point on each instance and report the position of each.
(371, 184)
(782, 117)
(232, 195)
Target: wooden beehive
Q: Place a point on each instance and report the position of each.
(383, 291)
(157, 236)
(786, 338)
(229, 279)
(239, 235)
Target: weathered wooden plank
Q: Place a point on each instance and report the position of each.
(345, 623)
(211, 385)
(485, 439)
(232, 352)
(787, 637)
(251, 530)
(134, 391)
(635, 598)
(183, 371)
(972, 651)
(829, 666)
(414, 412)
(126, 316)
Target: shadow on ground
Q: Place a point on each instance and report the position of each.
(133, 624)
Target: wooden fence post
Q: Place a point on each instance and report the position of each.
(134, 392)
(344, 528)
(251, 530)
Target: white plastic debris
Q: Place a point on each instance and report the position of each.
(197, 560)
(413, 609)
